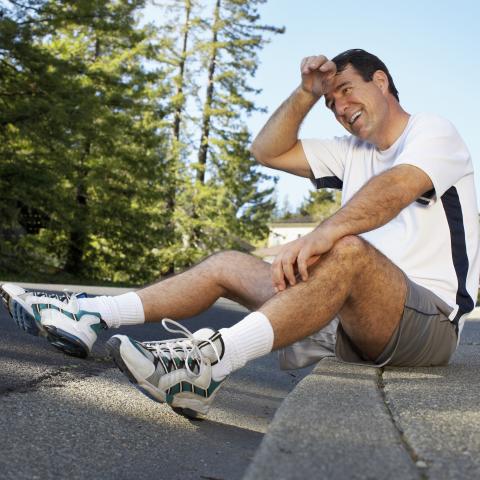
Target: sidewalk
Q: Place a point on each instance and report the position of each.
(353, 422)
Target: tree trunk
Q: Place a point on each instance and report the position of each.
(181, 67)
(78, 238)
(172, 191)
(203, 150)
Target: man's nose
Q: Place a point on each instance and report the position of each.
(340, 107)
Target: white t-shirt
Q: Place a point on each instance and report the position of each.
(435, 240)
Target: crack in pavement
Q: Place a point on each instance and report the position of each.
(419, 463)
(65, 372)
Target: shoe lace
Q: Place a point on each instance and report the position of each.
(71, 298)
(185, 349)
(57, 296)
(66, 296)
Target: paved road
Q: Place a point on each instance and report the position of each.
(62, 417)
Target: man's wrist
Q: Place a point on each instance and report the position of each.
(307, 95)
(332, 230)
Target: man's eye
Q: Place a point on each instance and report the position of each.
(347, 90)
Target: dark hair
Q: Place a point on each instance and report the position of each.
(365, 64)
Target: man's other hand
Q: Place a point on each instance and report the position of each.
(317, 74)
(293, 260)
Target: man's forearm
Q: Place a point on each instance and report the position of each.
(377, 202)
(280, 133)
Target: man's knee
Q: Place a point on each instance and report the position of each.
(349, 254)
(351, 249)
(224, 261)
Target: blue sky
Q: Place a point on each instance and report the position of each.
(430, 47)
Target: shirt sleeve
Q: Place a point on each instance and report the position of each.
(327, 160)
(435, 147)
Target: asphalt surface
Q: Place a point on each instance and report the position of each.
(353, 422)
(63, 417)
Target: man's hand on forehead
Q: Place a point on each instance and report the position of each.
(317, 74)
(319, 62)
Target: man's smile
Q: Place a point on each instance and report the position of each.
(354, 117)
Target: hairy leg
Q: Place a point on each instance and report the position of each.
(234, 275)
(353, 280)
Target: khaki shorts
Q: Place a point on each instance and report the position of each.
(424, 337)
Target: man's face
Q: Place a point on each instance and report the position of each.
(360, 106)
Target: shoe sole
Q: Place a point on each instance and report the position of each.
(66, 342)
(113, 348)
(60, 339)
(23, 319)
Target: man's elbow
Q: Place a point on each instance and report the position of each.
(256, 151)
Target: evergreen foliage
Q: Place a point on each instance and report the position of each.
(115, 163)
(321, 204)
(318, 206)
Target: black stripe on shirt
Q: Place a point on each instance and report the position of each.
(329, 182)
(454, 214)
(426, 197)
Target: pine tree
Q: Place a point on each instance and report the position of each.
(110, 165)
(31, 147)
(220, 196)
(229, 201)
(177, 37)
(321, 204)
(94, 142)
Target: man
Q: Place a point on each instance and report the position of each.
(398, 264)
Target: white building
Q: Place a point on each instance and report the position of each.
(284, 232)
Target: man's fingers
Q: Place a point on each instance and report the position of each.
(309, 64)
(312, 260)
(287, 266)
(304, 261)
(283, 266)
(278, 278)
(328, 67)
(302, 265)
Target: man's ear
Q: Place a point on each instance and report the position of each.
(381, 81)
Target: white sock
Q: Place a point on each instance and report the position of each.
(248, 339)
(126, 309)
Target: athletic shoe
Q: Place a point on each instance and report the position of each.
(57, 318)
(177, 372)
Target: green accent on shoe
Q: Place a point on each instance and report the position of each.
(48, 306)
(81, 313)
(175, 389)
(169, 398)
(97, 327)
(136, 345)
(213, 386)
(36, 313)
(199, 391)
(186, 387)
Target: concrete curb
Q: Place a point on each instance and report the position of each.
(347, 421)
(333, 425)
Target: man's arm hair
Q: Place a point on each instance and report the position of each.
(380, 200)
(277, 145)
